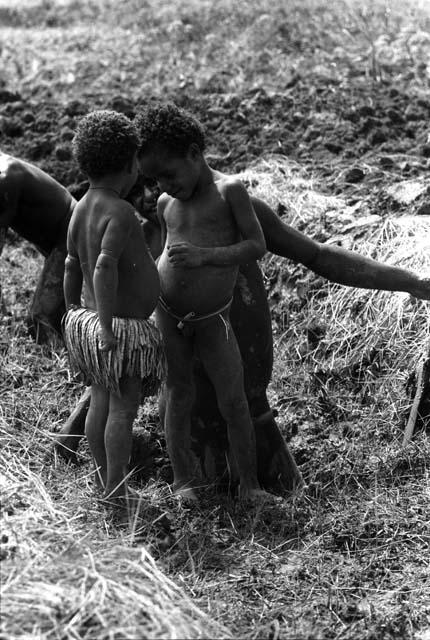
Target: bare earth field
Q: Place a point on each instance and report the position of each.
(324, 110)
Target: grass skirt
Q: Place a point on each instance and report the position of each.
(138, 352)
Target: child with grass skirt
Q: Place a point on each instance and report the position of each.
(109, 340)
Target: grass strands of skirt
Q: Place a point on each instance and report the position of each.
(138, 352)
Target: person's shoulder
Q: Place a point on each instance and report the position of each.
(163, 201)
(11, 169)
(230, 184)
(121, 214)
(164, 198)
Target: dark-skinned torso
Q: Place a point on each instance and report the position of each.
(138, 283)
(41, 206)
(205, 220)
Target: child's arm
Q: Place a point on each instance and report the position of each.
(250, 247)
(105, 277)
(72, 284)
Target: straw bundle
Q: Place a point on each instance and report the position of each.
(370, 340)
(64, 576)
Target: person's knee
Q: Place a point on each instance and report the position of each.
(179, 399)
(233, 407)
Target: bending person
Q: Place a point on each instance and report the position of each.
(38, 208)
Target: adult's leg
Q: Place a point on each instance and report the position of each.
(117, 435)
(70, 434)
(220, 355)
(250, 318)
(47, 307)
(95, 424)
(178, 394)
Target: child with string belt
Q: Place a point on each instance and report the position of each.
(209, 228)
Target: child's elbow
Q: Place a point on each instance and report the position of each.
(260, 249)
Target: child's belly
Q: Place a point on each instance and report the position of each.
(198, 289)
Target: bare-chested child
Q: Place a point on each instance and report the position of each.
(109, 339)
(209, 228)
(39, 209)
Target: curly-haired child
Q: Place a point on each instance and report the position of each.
(209, 228)
(109, 340)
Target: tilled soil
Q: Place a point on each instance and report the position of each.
(355, 140)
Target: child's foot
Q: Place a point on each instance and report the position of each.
(254, 495)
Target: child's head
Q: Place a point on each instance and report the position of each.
(172, 143)
(105, 143)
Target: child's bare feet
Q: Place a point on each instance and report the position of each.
(253, 495)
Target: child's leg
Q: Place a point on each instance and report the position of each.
(179, 394)
(95, 423)
(118, 435)
(222, 360)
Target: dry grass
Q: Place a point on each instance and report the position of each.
(348, 558)
(70, 568)
(211, 47)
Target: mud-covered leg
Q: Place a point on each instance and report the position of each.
(277, 468)
(67, 440)
(47, 307)
(250, 318)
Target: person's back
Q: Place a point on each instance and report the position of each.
(33, 204)
(93, 214)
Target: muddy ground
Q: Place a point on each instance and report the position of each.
(354, 140)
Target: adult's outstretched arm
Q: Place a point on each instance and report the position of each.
(333, 262)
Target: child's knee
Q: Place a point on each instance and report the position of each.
(181, 395)
(233, 408)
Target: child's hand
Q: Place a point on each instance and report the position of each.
(107, 339)
(185, 254)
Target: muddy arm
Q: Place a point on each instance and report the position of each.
(333, 262)
(351, 269)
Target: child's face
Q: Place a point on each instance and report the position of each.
(175, 175)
